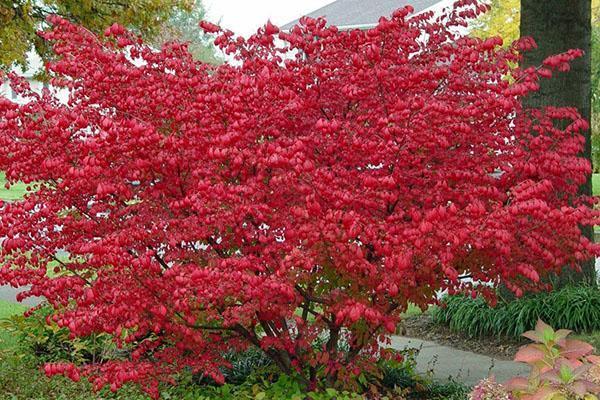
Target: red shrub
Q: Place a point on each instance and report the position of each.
(284, 198)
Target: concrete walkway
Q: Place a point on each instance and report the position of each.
(463, 366)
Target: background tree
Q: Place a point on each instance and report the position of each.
(557, 26)
(21, 19)
(504, 19)
(183, 26)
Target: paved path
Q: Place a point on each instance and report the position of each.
(463, 366)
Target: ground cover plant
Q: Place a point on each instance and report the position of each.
(22, 380)
(251, 375)
(8, 309)
(304, 195)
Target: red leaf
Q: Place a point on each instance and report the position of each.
(574, 349)
(529, 355)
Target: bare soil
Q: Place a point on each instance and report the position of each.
(499, 347)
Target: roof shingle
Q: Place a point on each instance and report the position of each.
(345, 13)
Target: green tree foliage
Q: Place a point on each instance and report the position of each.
(21, 19)
(503, 19)
(183, 27)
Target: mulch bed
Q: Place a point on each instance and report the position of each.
(422, 327)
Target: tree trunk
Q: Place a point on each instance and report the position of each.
(557, 26)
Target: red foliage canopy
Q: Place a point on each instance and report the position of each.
(304, 192)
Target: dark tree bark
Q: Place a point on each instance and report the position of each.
(557, 26)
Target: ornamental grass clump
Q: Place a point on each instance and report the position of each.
(307, 191)
(573, 307)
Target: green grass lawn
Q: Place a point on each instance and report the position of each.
(8, 309)
(15, 192)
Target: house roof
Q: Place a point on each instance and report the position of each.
(360, 13)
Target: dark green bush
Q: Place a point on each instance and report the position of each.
(576, 308)
(402, 377)
(448, 391)
(244, 365)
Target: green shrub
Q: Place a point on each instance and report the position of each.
(50, 343)
(448, 391)
(251, 376)
(576, 308)
(402, 377)
(21, 380)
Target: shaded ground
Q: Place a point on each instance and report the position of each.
(500, 347)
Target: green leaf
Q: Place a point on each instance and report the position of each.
(565, 373)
